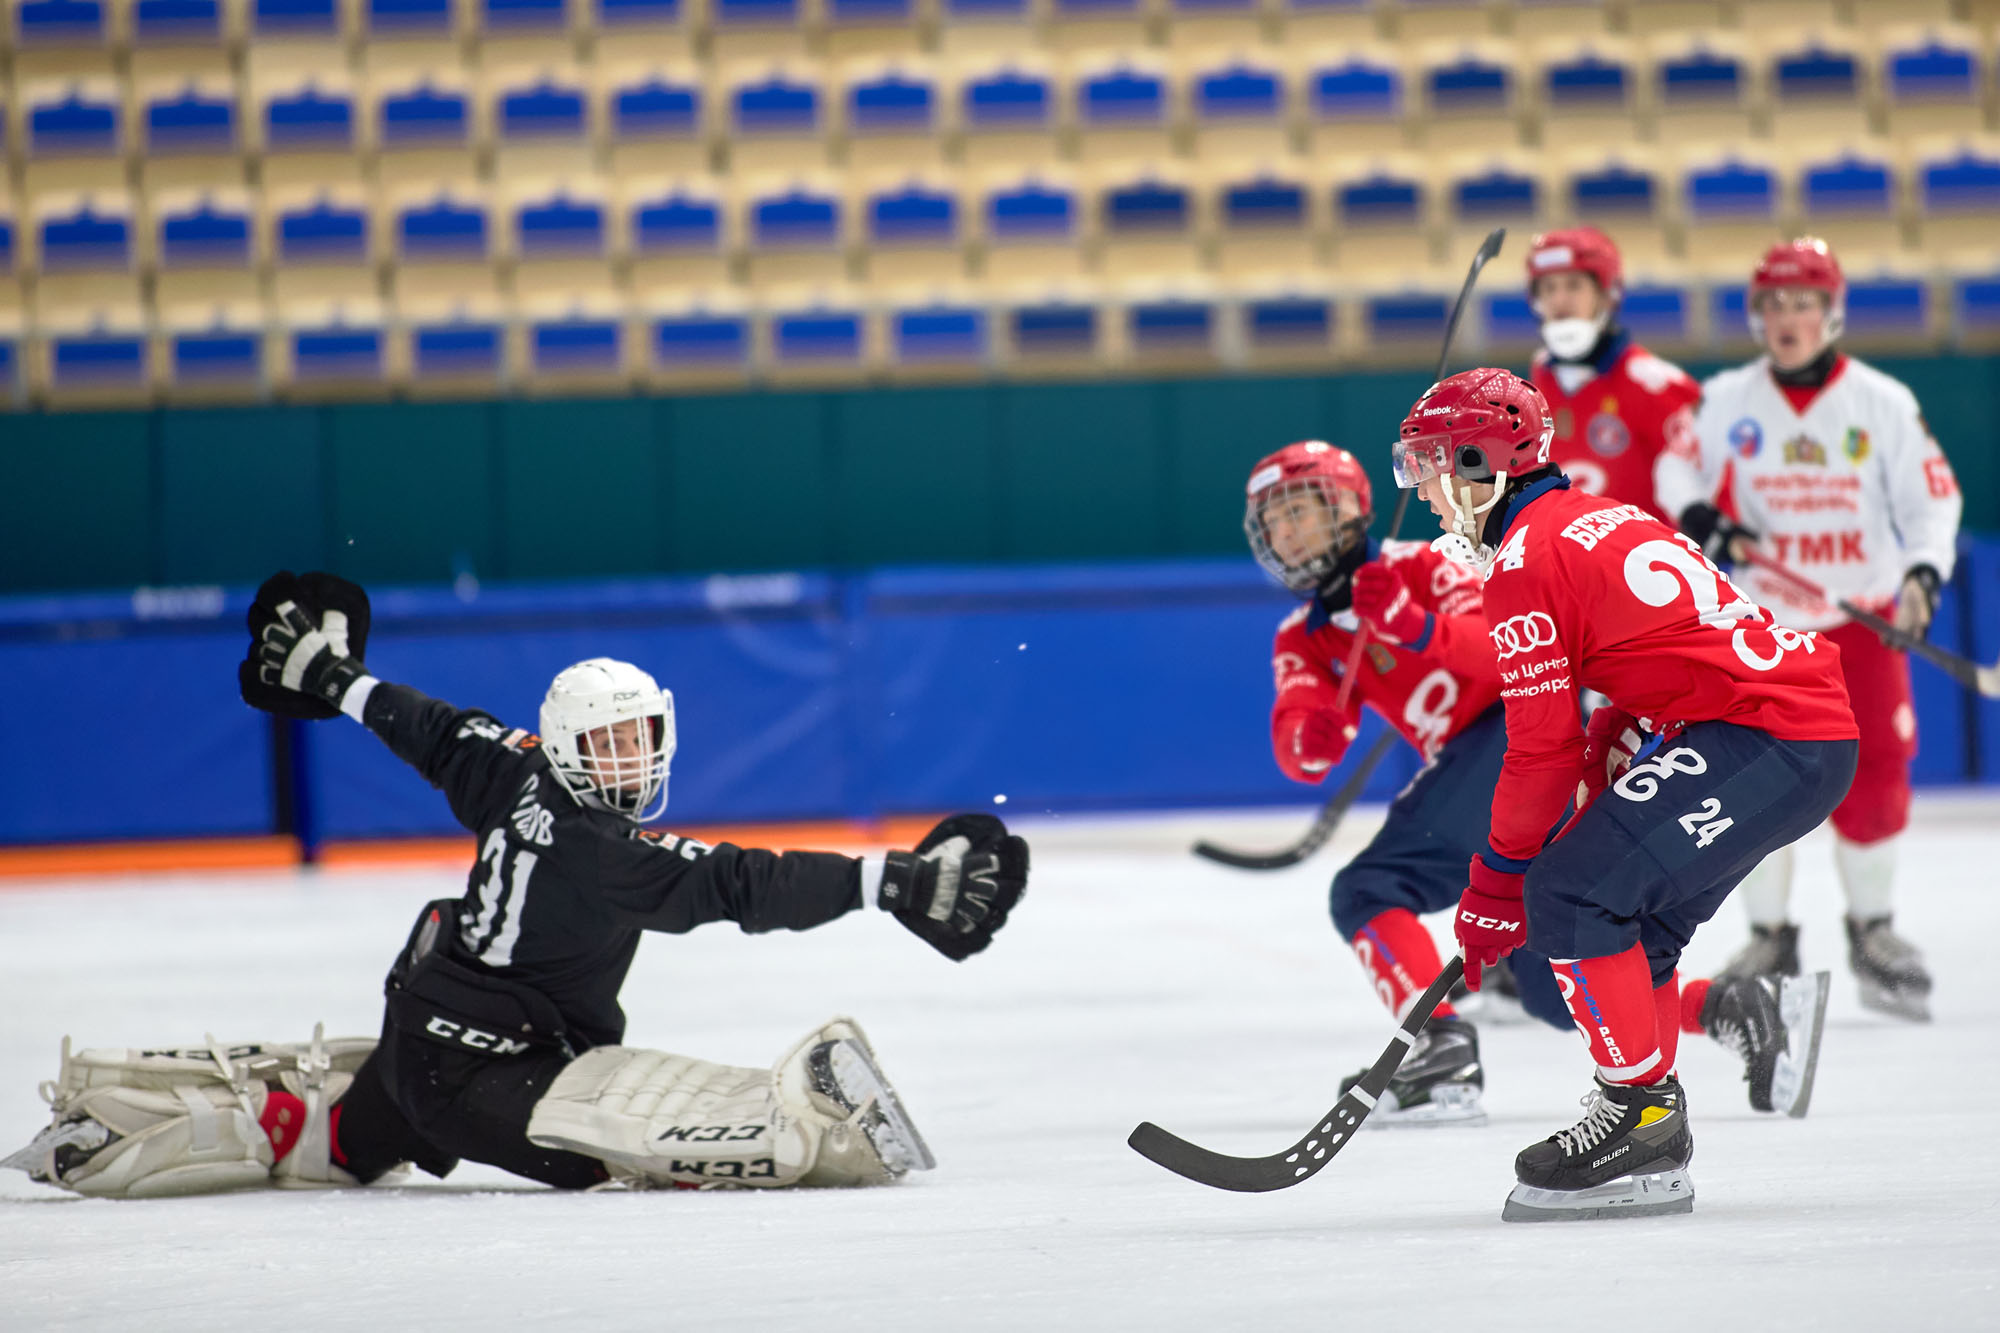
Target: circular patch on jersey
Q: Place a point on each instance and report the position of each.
(1905, 723)
(1856, 443)
(1746, 437)
(1608, 436)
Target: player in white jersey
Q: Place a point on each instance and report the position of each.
(1833, 473)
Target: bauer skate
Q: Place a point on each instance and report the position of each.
(1775, 1025)
(1890, 971)
(844, 1071)
(1627, 1157)
(1773, 951)
(1438, 1083)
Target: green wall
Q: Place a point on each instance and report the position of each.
(417, 493)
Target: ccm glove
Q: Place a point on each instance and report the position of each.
(1491, 921)
(1610, 741)
(1916, 601)
(1383, 602)
(1715, 532)
(307, 635)
(956, 889)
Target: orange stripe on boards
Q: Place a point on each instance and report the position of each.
(115, 858)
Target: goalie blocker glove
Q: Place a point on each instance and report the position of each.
(956, 889)
(308, 633)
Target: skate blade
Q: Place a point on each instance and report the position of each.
(1912, 1005)
(894, 1135)
(1655, 1194)
(1802, 1007)
(38, 1158)
(1447, 1106)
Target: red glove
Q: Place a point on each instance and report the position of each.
(1491, 922)
(1383, 602)
(1609, 743)
(1309, 743)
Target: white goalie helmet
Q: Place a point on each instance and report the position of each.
(620, 768)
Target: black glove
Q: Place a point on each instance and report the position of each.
(956, 889)
(1713, 531)
(1916, 601)
(307, 636)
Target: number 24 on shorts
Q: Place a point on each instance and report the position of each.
(1641, 782)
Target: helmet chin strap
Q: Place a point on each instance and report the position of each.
(1463, 542)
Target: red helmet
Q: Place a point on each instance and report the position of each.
(1479, 425)
(1321, 471)
(1805, 262)
(1576, 250)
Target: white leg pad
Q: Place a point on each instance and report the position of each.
(151, 1123)
(1867, 875)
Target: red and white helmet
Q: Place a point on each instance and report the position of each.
(1806, 262)
(1335, 487)
(1481, 425)
(1577, 250)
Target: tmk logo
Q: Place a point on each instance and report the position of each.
(490, 1042)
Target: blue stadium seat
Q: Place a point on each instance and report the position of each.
(1935, 88)
(940, 335)
(295, 18)
(795, 235)
(700, 342)
(756, 28)
(79, 120)
(426, 116)
(195, 120)
(1588, 99)
(444, 228)
(1055, 331)
(204, 234)
(6, 240)
(1266, 225)
(1471, 103)
(548, 19)
(560, 227)
(1405, 317)
(1148, 227)
(1033, 230)
(95, 237)
(337, 351)
(1978, 302)
(325, 231)
(1122, 112)
(657, 123)
(857, 27)
(1357, 106)
(817, 338)
(407, 18)
(778, 123)
(1282, 326)
(1731, 215)
(460, 346)
(1849, 186)
(1703, 96)
(1173, 327)
(43, 24)
(1009, 116)
(1380, 223)
(678, 237)
(1615, 192)
(915, 231)
(221, 353)
(1657, 314)
(1241, 109)
(177, 23)
(1888, 308)
(98, 359)
(576, 342)
(309, 134)
(1511, 319)
(542, 112)
(892, 120)
(1495, 195)
(1817, 93)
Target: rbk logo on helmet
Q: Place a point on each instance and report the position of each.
(1521, 634)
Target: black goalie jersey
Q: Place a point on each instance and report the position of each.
(561, 891)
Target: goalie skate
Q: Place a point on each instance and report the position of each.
(59, 1147)
(844, 1071)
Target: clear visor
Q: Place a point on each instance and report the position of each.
(1419, 458)
(626, 762)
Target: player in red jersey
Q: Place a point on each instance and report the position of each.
(1428, 671)
(1752, 745)
(1616, 406)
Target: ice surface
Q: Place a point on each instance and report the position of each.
(1135, 982)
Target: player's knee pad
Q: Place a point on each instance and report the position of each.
(671, 1119)
(188, 1120)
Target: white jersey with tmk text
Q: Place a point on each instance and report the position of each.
(1851, 492)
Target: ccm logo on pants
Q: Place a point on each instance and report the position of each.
(489, 1042)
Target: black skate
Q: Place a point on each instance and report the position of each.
(1773, 951)
(845, 1072)
(1891, 972)
(1438, 1083)
(1498, 999)
(1627, 1157)
(1775, 1024)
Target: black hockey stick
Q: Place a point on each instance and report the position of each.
(1324, 823)
(1330, 815)
(1983, 680)
(1255, 1175)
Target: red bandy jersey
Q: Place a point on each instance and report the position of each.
(1614, 425)
(1428, 690)
(1587, 593)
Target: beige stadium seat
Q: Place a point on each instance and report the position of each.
(776, 118)
(660, 117)
(763, 31)
(695, 337)
(1127, 109)
(1934, 80)
(87, 247)
(894, 114)
(982, 29)
(190, 378)
(1769, 15)
(388, 50)
(1579, 104)
(199, 258)
(310, 129)
(1270, 220)
(1152, 224)
(1870, 15)
(1305, 25)
(62, 364)
(1076, 343)
(1469, 95)
(443, 239)
(561, 235)
(1385, 220)
(546, 120)
(427, 129)
(1100, 27)
(1811, 103)
(1195, 29)
(1287, 323)
(60, 45)
(1430, 20)
(856, 29)
(1676, 18)
(274, 50)
(449, 345)
(680, 232)
(1708, 92)
(915, 228)
(1033, 226)
(829, 334)
(1539, 22)
(172, 152)
(331, 349)
(324, 242)
(797, 230)
(649, 32)
(1013, 113)
(1956, 193)
(1241, 106)
(167, 46)
(64, 139)
(1168, 323)
(546, 40)
(1357, 101)
(581, 341)
(1724, 226)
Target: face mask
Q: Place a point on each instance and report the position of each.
(1571, 339)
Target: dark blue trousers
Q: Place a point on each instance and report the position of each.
(1418, 860)
(1655, 855)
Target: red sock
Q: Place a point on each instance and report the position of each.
(1402, 958)
(284, 1119)
(1666, 1020)
(1611, 1001)
(1693, 996)
(333, 1135)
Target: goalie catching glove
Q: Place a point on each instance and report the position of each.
(307, 636)
(956, 889)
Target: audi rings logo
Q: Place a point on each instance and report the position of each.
(1520, 634)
